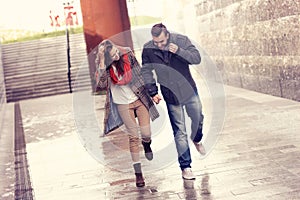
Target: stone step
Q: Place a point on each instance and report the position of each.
(42, 90)
(49, 81)
(39, 68)
(10, 59)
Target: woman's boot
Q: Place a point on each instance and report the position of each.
(139, 179)
(147, 149)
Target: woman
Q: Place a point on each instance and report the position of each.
(118, 72)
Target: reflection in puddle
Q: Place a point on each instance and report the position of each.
(205, 187)
(190, 191)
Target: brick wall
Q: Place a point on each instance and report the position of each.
(255, 44)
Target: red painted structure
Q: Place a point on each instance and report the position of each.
(104, 19)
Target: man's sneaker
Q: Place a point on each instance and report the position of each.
(188, 174)
(148, 150)
(200, 148)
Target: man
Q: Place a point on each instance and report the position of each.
(169, 56)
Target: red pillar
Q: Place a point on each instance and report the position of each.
(103, 19)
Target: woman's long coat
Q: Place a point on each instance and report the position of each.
(112, 119)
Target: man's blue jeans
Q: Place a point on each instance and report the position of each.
(193, 109)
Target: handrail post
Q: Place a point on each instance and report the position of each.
(69, 59)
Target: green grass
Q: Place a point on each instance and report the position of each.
(143, 20)
(12, 36)
(21, 36)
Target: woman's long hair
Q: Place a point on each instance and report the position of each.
(108, 61)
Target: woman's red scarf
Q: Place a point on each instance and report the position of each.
(117, 76)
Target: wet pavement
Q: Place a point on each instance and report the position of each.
(256, 155)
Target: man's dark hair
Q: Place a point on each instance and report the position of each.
(157, 29)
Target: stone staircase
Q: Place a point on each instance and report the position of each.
(40, 68)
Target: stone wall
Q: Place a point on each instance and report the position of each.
(254, 43)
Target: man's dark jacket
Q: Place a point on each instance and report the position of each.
(172, 70)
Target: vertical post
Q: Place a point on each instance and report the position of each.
(134, 11)
(69, 59)
(69, 21)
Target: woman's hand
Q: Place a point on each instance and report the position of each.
(101, 57)
(101, 51)
(156, 98)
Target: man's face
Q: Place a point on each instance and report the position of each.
(161, 41)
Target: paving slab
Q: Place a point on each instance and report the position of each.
(7, 160)
(256, 156)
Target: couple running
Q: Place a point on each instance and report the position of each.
(132, 89)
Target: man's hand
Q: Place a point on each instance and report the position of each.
(156, 98)
(173, 48)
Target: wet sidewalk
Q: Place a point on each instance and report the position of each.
(256, 156)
